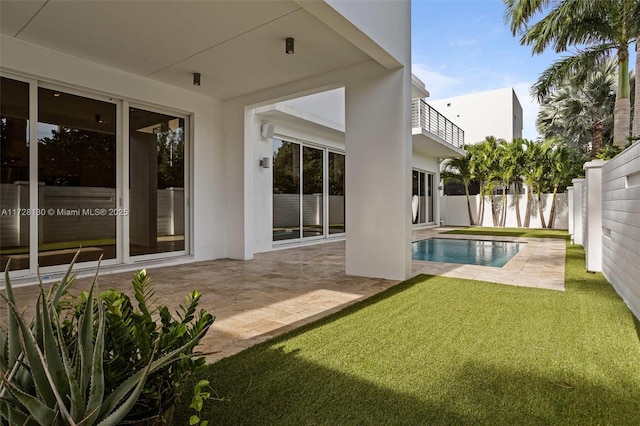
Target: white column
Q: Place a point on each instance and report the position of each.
(577, 210)
(378, 175)
(570, 210)
(593, 204)
(239, 140)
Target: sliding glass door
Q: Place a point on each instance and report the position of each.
(72, 181)
(76, 178)
(14, 173)
(336, 194)
(156, 182)
(308, 186)
(422, 198)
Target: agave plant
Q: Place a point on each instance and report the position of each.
(49, 379)
(136, 335)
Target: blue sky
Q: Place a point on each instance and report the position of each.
(464, 46)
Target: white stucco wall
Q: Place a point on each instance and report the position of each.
(455, 212)
(207, 159)
(493, 113)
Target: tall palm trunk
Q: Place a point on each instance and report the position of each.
(527, 210)
(540, 210)
(597, 129)
(622, 109)
(552, 210)
(503, 216)
(636, 102)
(516, 200)
(480, 216)
(466, 192)
(494, 210)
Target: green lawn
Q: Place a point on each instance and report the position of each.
(513, 232)
(436, 350)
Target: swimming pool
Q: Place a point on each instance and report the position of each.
(471, 252)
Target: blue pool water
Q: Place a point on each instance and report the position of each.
(471, 252)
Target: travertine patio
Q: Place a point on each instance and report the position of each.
(282, 290)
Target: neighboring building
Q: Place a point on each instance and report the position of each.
(149, 148)
(493, 113)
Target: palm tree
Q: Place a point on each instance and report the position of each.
(460, 169)
(565, 163)
(515, 153)
(580, 113)
(486, 169)
(532, 173)
(603, 26)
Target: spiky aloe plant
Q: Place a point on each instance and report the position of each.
(46, 380)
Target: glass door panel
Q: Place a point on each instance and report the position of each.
(286, 190)
(430, 199)
(14, 173)
(336, 193)
(77, 178)
(156, 183)
(415, 200)
(313, 188)
(422, 209)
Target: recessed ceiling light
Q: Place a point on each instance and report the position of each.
(57, 95)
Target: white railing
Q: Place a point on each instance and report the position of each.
(425, 116)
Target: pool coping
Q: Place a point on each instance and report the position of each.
(539, 263)
(520, 245)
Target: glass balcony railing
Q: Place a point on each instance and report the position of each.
(426, 117)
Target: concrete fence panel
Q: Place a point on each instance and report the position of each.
(621, 225)
(454, 210)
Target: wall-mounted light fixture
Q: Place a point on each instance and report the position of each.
(266, 130)
(288, 46)
(265, 162)
(196, 79)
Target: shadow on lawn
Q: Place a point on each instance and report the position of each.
(272, 386)
(278, 383)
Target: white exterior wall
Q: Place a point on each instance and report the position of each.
(621, 225)
(493, 113)
(207, 160)
(455, 212)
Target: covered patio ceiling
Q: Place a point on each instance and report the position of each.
(237, 46)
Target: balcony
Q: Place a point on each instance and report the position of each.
(433, 133)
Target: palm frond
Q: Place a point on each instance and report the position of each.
(576, 66)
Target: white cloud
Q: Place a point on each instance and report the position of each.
(437, 84)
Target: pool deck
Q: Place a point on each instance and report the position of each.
(281, 290)
(539, 263)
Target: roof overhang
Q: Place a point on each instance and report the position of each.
(238, 47)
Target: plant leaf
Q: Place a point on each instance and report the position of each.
(39, 410)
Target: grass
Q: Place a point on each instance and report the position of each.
(513, 232)
(437, 350)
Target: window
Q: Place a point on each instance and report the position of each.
(74, 199)
(156, 182)
(14, 173)
(308, 187)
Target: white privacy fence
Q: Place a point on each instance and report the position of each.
(606, 221)
(76, 224)
(454, 210)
